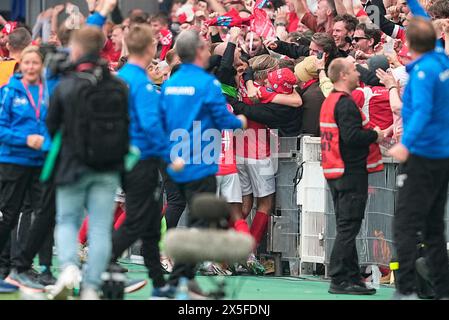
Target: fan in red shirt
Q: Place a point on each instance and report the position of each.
(112, 49)
(6, 30)
(375, 104)
(374, 101)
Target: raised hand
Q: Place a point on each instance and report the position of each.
(270, 44)
(386, 78)
(234, 34)
(107, 7)
(58, 9)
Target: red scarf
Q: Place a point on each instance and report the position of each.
(309, 83)
(166, 40)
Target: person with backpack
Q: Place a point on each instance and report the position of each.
(89, 108)
(23, 140)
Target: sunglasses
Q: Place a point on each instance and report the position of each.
(357, 39)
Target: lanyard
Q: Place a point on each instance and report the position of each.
(37, 109)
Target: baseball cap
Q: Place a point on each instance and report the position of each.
(282, 80)
(306, 69)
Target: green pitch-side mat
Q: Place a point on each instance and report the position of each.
(255, 288)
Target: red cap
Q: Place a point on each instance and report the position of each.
(282, 80)
(9, 27)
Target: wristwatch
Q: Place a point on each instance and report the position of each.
(280, 24)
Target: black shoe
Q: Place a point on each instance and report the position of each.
(114, 267)
(32, 274)
(46, 278)
(4, 272)
(350, 288)
(422, 268)
(400, 296)
(195, 292)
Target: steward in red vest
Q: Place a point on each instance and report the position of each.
(349, 152)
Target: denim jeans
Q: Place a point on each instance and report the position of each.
(95, 193)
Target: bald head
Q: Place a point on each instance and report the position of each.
(343, 74)
(337, 68)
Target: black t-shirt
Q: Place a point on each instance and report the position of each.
(354, 140)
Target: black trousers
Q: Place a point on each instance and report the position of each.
(421, 203)
(35, 237)
(349, 194)
(15, 182)
(143, 217)
(189, 191)
(19, 236)
(176, 203)
(40, 239)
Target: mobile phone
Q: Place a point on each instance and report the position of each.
(389, 47)
(320, 55)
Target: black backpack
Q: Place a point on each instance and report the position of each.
(101, 120)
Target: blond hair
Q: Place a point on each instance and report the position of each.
(262, 65)
(31, 49)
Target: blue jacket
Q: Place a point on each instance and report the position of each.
(425, 108)
(145, 127)
(17, 121)
(192, 94)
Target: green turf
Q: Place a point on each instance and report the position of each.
(265, 288)
(254, 288)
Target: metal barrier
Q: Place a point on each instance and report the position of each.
(375, 240)
(304, 231)
(284, 228)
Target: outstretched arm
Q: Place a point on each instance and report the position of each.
(301, 8)
(216, 6)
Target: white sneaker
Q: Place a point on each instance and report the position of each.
(166, 264)
(82, 253)
(89, 294)
(68, 280)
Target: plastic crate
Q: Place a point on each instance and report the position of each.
(311, 149)
(312, 236)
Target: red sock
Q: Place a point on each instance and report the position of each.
(119, 220)
(241, 226)
(82, 235)
(164, 209)
(259, 226)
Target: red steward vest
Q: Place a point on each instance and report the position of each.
(331, 160)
